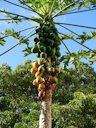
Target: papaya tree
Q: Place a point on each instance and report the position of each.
(47, 41)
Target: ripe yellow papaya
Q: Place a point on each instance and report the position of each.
(35, 65)
(39, 79)
(33, 70)
(41, 86)
(34, 82)
(38, 74)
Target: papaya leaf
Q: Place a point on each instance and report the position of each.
(2, 41)
(12, 33)
(84, 37)
(27, 51)
(12, 19)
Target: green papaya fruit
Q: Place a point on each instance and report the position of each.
(43, 55)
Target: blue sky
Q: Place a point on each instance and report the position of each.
(16, 56)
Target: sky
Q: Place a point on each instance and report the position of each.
(16, 56)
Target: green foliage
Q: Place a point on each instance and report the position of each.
(16, 91)
(78, 113)
(76, 58)
(4, 103)
(12, 33)
(86, 37)
(47, 11)
(2, 41)
(81, 79)
(20, 109)
(43, 6)
(8, 119)
(30, 119)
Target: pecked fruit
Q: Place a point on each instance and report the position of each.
(41, 94)
(53, 86)
(41, 86)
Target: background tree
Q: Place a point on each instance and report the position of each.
(47, 11)
(18, 107)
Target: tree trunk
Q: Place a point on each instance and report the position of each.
(45, 120)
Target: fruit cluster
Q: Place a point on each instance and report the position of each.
(47, 43)
(46, 68)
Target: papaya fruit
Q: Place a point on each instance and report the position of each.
(41, 61)
(33, 70)
(54, 79)
(39, 79)
(51, 35)
(34, 49)
(35, 82)
(43, 55)
(38, 30)
(42, 39)
(58, 54)
(36, 40)
(41, 94)
(53, 86)
(40, 74)
(45, 28)
(35, 64)
(54, 29)
(40, 34)
(49, 59)
(41, 86)
(58, 70)
(41, 68)
(51, 69)
(42, 49)
(38, 54)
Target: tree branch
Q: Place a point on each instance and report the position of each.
(19, 42)
(82, 26)
(76, 41)
(29, 8)
(69, 30)
(65, 8)
(33, 9)
(17, 32)
(87, 10)
(51, 8)
(11, 19)
(9, 50)
(3, 11)
(17, 5)
(66, 47)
